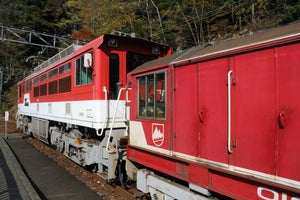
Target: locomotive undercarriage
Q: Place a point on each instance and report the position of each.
(82, 144)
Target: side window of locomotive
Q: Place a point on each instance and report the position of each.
(29, 86)
(36, 80)
(151, 98)
(52, 73)
(36, 89)
(64, 83)
(65, 68)
(83, 74)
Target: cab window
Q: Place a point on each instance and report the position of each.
(134, 60)
(152, 96)
(83, 74)
(114, 76)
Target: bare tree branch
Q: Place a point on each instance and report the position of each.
(159, 19)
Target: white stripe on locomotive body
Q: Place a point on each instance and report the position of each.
(137, 138)
(88, 113)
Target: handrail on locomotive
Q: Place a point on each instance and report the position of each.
(126, 89)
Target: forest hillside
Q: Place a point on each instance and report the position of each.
(178, 23)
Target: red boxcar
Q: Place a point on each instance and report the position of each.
(220, 119)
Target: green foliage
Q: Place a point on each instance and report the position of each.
(70, 20)
(291, 12)
(179, 23)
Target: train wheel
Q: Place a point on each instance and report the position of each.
(27, 132)
(121, 175)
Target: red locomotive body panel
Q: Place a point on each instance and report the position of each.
(231, 118)
(288, 111)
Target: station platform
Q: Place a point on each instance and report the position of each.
(14, 184)
(28, 174)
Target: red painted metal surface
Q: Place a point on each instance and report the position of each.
(253, 111)
(260, 122)
(185, 99)
(288, 106)
(212, 103)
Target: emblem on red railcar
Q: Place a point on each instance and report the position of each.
(158, 134)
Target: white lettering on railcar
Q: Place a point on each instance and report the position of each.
(269, 194)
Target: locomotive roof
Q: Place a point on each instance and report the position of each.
(261, 39)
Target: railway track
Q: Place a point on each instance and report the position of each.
(90, 179)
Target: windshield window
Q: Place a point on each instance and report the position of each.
(136, 59)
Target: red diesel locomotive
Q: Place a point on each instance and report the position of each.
(76, 100)
(223, 118)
